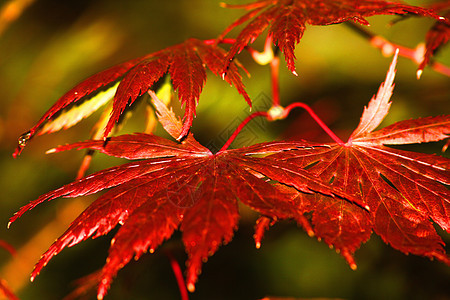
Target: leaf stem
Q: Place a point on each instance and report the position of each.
(269, 56)
(178, 275)
(282, 113)
(241, 126)
(274, 72)
(388, 48)
(316, 118)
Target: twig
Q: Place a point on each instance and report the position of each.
(388, 48)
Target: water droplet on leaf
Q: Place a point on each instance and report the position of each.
(24, 138)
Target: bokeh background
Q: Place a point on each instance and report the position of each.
(47, 46)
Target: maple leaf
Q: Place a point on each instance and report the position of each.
(438, 35)
(186, 63)
(404, 190)
(287, 19)
(174, 185)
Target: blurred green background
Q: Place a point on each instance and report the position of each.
(47, 46)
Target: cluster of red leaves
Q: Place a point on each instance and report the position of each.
(403, 190)
(186, 63)
(351, 189)
(338, 192)
(174, 185)
(287, 19)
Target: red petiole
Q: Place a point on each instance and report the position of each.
(279, 113)
(179, 276)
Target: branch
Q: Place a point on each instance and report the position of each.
(178, 275)
(241, 126)
(388, 48)
(316, 118)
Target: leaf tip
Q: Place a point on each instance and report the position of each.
(419, 73)
(50, 151)
(103, 287)
(191, 287)
(262, 224)
(17, 152)
(349, 258)
(394, 60)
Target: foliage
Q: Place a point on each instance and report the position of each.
(338, 192)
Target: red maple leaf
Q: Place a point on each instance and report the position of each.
(438, 35)
(287, 19)
(174, 185)
(186, 63)
(404, 190)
